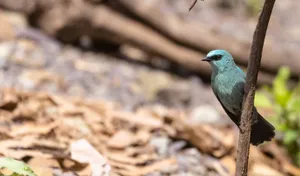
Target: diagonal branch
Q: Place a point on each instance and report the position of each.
(193, 4)
(248, 102)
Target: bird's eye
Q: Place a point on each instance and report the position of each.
(217, 57)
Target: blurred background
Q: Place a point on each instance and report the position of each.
(117, 87)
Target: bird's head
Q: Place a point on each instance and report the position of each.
(220, 60)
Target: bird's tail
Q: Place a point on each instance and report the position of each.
(261, 131)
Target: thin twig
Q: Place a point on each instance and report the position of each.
(253, 68)
(193, 4)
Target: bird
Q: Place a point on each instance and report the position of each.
(227, 82)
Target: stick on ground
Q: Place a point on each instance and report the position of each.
(251, 79)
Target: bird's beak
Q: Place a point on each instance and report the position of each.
(206, 59)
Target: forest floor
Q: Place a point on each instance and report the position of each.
(69, 111)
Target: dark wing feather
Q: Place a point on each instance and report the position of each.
(234, 118)
(239, 87)
(261, 131)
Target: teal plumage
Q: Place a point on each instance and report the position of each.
(228, 82)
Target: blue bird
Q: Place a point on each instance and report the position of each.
(228, 82)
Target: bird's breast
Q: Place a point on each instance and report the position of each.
(229, 90)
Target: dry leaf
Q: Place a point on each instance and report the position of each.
(144, 121)
(9, 100)
(31, 128)
(43, 166)
(143, 170)
(229, 163)
(120, 157)
(83, 151)
(43, 162)
(43, 171)
(259, 169)
(121, 139)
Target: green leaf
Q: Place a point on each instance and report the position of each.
(293, 120)
(281, 127)
(290, 136)
(18, 167)
(261, 100)
(286, 111)
(296, 91)
(281, 92)
(294, 104)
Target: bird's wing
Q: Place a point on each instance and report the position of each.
(234, 118)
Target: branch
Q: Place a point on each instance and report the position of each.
(248, 102)
(193, 4)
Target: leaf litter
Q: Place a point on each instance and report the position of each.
(58, 135)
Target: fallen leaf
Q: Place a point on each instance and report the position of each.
(83, 151)
(43, 171)
(229, 163)
(145, 121)
(31, 128)
(43, 162)
(121, 139)
(143, 137)
(122, 157)
(12, 148)
(143, 170)
(8, 100)
(259, 169)
(43, 166)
